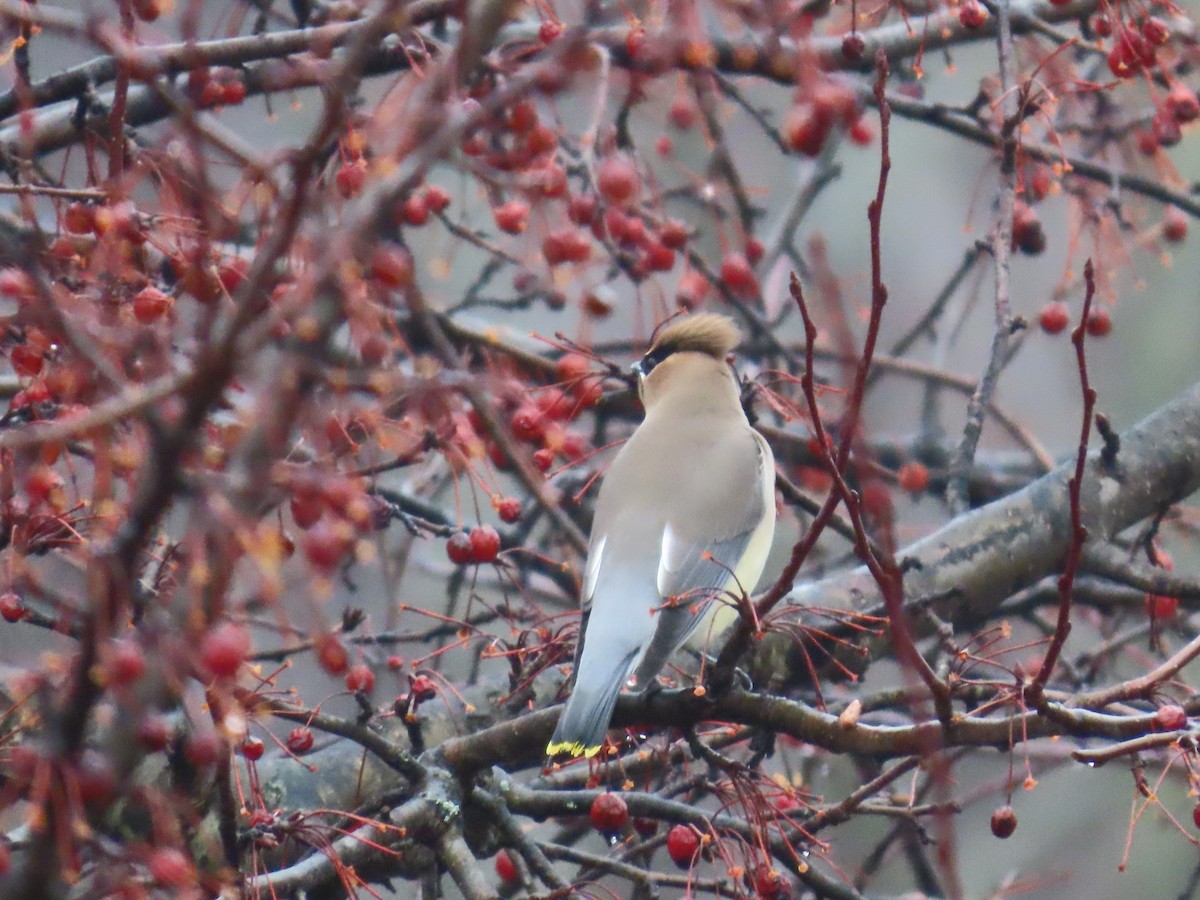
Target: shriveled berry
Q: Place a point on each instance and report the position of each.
(509, 509)
(423, 687)
(972, 15)
(853, 47)
(300, 739)
(1170, 718)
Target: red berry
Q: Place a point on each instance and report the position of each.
(202, 748)
(1183, 104)
(609, 813)
(1170, 718)
(913, 477)
(572, 367)
(617, 179)
(754, 250)
(673, 234)
(1004, 822)
(16, 284)
(543, 459)
(659, 257)
(423, 687)
(253, 748)
(360, 678)
(485, 543)
(332, 655)
(27, 360)
(505, 867)
(1027, 233)
(231, 272)
(555, 404)
(233, 92)
(150, 304)
(1166, 129)
(154, 733)
(528, 423)
(392, 266)
(512, 216)
(300, 739)
(549, 31)
(509, 509)
(171, 868)
(1174, 225)
(861, 133)
(771, 885)
(44, 485)
(682, 844)
(1196, 815)
(692, 289)
(437, 198)
(972, 15)
(11, 607)
(306, 510)
(224, 649)
(350, 178)
(1102, 25)
(853, 47)
(1159, 606)
(738, 276)
(1099, 322)
(327, 543)
(124, 662)
(414, 210)
(805, 131)
(581, 209)
(1054, 317)
(459, 549)
(78, 218)
(1156, 31)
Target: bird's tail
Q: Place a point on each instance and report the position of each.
(584, 722)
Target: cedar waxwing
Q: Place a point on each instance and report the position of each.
(685, 514)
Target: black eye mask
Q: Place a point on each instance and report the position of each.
(647, 363)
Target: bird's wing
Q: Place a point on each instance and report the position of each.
(701, 554)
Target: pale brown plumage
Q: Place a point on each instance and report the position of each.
(685, 514)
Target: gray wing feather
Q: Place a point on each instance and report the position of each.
(690, 588)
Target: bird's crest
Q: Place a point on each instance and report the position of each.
(708, 333)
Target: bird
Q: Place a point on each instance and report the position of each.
(684, 518)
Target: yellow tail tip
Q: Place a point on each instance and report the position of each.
(572, 748)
